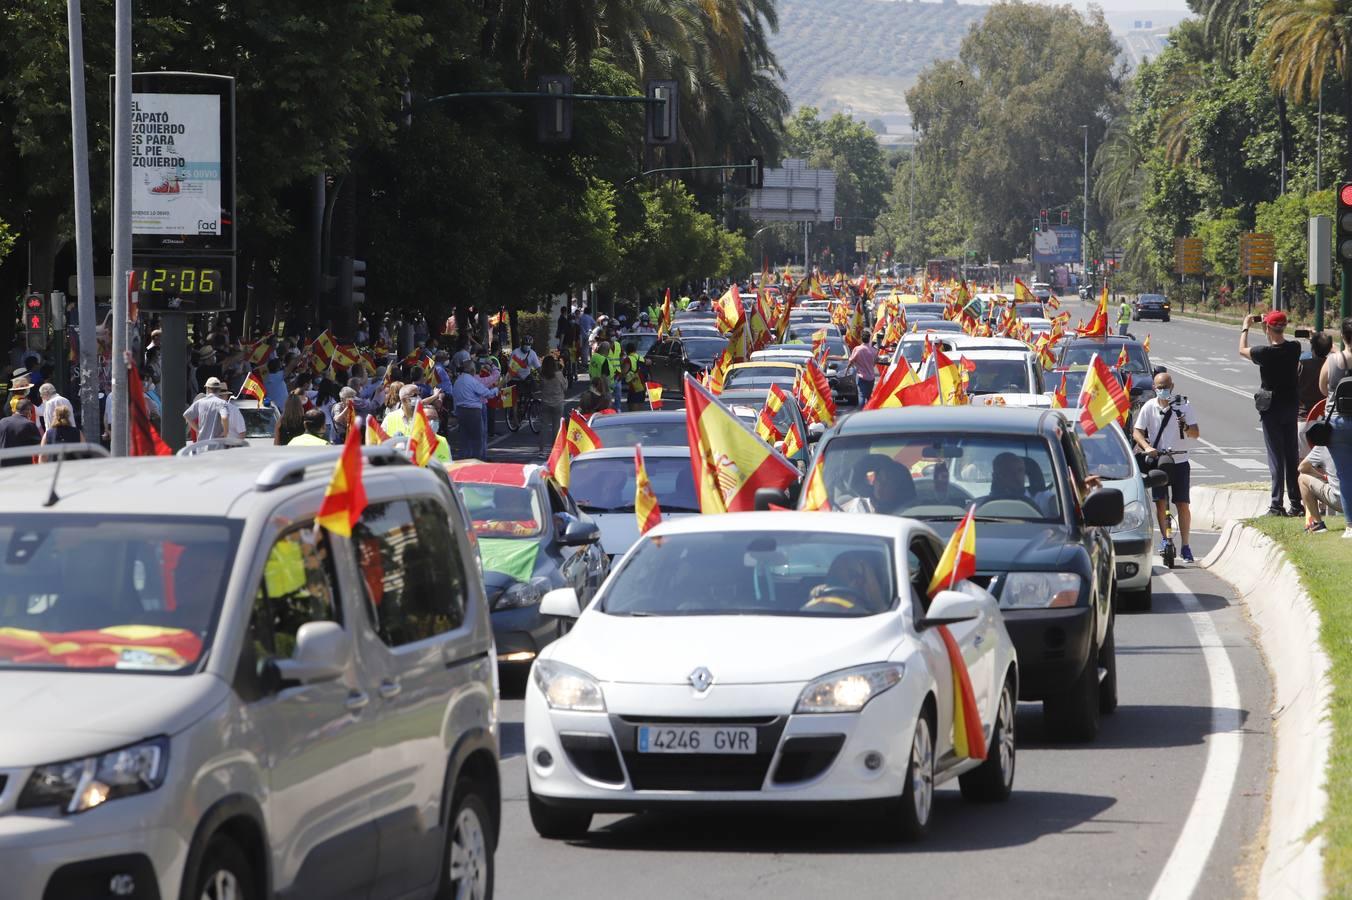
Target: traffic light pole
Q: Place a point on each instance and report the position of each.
(87, 310)
(1346, 310)
(1318, 307)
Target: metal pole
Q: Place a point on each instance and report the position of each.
(174, 385)
(118, 410)
(1084, 209)
(87, 323)
(1346, 309)
(1319, 141)
(806, 226)
(1318, 307)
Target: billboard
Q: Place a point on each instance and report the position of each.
(1056, 245)
(795, 193)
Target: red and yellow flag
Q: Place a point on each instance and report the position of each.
(1103, 400)
(793, 441)
(664, 320)
(1059, 397)
(654, 394)
(813, 390)
(766, 429)
(1098, 323)
(422, 442)
(1146, 345)
(574, 438)
(253, 387)
(259, 351)
(815, 497)
(646, 510)
(949, 374)
(958, 563)
(374, 433)
(345, 497)
(1122, 357)
(888, 392)
(1021, 292)
(728, 461)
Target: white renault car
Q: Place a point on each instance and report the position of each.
(775, 657)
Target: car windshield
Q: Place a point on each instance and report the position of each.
(499, 510)
(606, 484)
(643, 341)
(1107, 454)
(998, 376)
(619, 431)
(704, 349)
(111, 593)
(755, 573)
(1074, 383)
(924, 310)
(759, 376)
(924, 476)
(1029, 310)
(1082, 353)
(259, 422)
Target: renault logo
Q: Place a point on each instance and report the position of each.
(700, 679)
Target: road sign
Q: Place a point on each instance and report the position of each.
(1257, 253)
(861, 243)
(1188, 256)
(795, 193)
(1113, 255)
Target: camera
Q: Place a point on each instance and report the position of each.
(1177, 400)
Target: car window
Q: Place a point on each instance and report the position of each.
(1082, 354)
(127, 594)
(606, 484)
(617, 431)
(502, 510)
(998, 376)
(260, 422)
(411, 570)
(1107, 454)
(920, 565)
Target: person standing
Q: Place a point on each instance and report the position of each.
(51, 401)
(553, 387)
(1337, 368)
(399, 421)
(291, 423)
(864, 361)
(1166, 427)
(212, 415)
(1123, 316)
(61, 428)
(469, 394)
(20, 429)
(1307, 382)
(313, 435)
(1277, 402)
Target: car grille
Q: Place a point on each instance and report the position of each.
(804, 758)
(593, 756)
(697, 771)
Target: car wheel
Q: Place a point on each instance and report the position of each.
(1074, 715)
(993, 780)
(1136, 601)
(225, 873)
(556, 824)
(917, 797)
(1107, 660)
(468, 868)
(1166, 318)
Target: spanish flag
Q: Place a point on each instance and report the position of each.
(574, 437)
(654, 394)
(719, 372)
(814, 392)
(646, 510)
(1021, 292)
(253, 387)
(1146, 345)
(766, 429)
(1122, 357)
(345, 497)
(793, 441)
(728, 461)
(422, 443)
(888, 392)
(815, 498)
(1098, 323)
(958, 563)
(374, 433)
(950, 379)
(1059, 397)
(1103, 400)
(664, 320)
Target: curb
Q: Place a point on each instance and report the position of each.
(1214, 508)
(1287, 627)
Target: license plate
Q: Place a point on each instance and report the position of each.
(690, 739)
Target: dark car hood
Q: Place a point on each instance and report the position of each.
(1017, 546)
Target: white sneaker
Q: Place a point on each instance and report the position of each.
(1347, 533)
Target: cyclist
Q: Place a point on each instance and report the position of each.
(1164, 427)
(645, 325)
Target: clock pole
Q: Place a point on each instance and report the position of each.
(174, 365)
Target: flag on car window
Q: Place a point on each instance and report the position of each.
(253, 387)
(345, 497)
(654, 394)
(646, 509)
(1103, 399)
(728, 461)
(959, 563)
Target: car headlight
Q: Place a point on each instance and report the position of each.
(1039, 590)
(1133, 517)
(848, 690)
(567, 688)
(523, 593)
(78, 785)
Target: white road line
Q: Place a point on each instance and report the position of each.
(1186, 358)
(1186, 863)
(1252, 465)
(1216, 384)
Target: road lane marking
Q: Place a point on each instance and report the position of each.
(1216, 384)
(1188, 860)
(1253, 465)
(1186, 358)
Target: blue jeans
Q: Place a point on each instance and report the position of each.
(865, 389)
(471, 421)
(1340, 449)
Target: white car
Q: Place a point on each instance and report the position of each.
(602, 484)
(755, 658)
(999, 376)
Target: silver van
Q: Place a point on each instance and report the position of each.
(203, 695)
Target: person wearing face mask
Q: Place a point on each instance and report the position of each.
(1166, 425)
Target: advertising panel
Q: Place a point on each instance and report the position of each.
(1056, 245)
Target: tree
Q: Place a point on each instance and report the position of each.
(1304, 41)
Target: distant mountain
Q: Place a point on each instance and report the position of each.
(861, 56)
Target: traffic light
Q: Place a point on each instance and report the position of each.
(755, 176)
(35, 321)
(838, 223)
(1042, 217)
(1065, 217)
(351, 281)
(555, 117)
(1343, 225)
(663, 112)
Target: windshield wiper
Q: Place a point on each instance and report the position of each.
(586, 507)
(963, 516)
(682, 509)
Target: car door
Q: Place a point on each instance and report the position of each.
(583, 568)
(317, 736)
(1098, 541)
(659, 363)
(415, 575)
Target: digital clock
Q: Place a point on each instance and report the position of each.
(189, 284)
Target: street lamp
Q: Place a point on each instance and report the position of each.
(1084, 208)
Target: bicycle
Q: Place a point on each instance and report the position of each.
(526, 407)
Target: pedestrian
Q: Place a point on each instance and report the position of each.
(636, 391)
(1336, 381)
(553, 387)
(20, 429)
(61, 429)
(1165, 426)
(291, 423)
(274, 383)
(51, 401)
(864, 360)
(1307, 382)
(1320, 486)
(400, 420)
(214, 415)
(1277, 403)
(313, 433)
(1123, 316)
(469, 395)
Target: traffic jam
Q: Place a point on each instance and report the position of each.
(822, 565)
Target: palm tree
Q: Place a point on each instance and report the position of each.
(1305, 40)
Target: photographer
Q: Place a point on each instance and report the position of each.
(1164, 427)
(1277, 402)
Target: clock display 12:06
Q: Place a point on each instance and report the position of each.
(179, 280)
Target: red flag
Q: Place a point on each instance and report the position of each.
(345, 497)
(145, 440)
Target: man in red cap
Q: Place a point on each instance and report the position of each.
(1278, 403)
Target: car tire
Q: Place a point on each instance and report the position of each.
(1107, 659)
(1136, 601)
(225, 873)
(467, 870)
(993, 780)
(1074, 715)
(912, 811)
(1166, 318)
(556, 824)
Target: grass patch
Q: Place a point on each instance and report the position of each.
(1324, 562)
(1243, 486)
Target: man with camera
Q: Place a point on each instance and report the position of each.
(1277, 402)
(1161, 433)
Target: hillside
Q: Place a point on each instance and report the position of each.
(864, 54)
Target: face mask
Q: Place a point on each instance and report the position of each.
(1164, 393)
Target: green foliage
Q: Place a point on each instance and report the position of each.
(673, 243)
(1220, 242)
(7, 239)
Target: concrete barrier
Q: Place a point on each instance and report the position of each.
(1287, 625)
(1212, 508)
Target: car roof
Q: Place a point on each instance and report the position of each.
(948, 419)
(663, 451)
(473, 471)
(640, 417)
(994, 352)
(765, 363)
(791, 521)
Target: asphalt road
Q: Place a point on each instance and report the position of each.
(1208, 370)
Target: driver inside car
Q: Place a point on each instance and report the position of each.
(855, 572)
(891, 491)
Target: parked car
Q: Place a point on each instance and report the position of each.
(769, 660)
(532, 538)
(1043, 545)
(222, 700)
(1151, 306)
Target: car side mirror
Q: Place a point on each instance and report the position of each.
(1156, 478)
(580, 534)
(561, 602)
(815, 432)
(1103, 508)
(322, 654)
(950, 608)
(764, 498)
